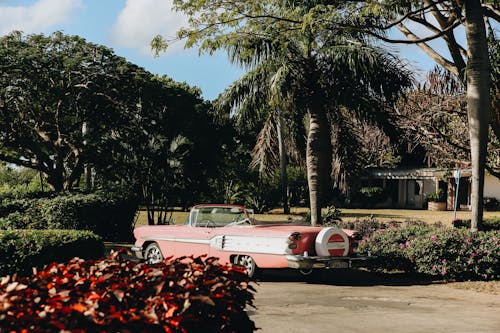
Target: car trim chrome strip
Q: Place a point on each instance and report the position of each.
(181, 240)
(237, 243)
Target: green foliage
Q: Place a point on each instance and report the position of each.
(50, 86)
(366, 226)
(21, 250)
(109, 214)
(368, 196)
(329, 216)
(110, 295)
(452, 254)
(457, 254)
(147, 131)
(308, 77)
(389, 246)
(439, 196)
(18, 180)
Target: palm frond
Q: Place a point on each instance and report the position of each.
(265, 156)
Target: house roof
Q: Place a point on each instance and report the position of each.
(412, 173)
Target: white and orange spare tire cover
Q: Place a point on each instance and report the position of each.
(332, 241)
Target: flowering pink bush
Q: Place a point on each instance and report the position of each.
(111, 295)
(457, 254)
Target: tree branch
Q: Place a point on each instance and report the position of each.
(415, 39)
(491, 12)
(412, 38)
(24, 163)
(404, 17)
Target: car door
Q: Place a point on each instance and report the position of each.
(194, 239)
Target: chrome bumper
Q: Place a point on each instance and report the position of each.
(303, 262)
(137, 250)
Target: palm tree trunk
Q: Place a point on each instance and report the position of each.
(318, 164)
(477, 102)
(283, 163)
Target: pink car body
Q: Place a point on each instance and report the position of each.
(230, 233)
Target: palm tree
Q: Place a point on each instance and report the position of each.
(314, 77)
(254, 108)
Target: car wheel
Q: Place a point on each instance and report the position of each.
(248, 263)
(153, 254)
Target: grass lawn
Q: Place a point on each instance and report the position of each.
(350, 214)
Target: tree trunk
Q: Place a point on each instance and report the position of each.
(477, 102)
(283, 163)
(87, 168)
(55, 181)
(318, 156)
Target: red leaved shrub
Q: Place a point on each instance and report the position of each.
(113, 295)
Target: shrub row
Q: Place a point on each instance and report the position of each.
(20, 250)
(110, 214)
(369, 225)
(109, 295)
(488, 224)
(453, 254)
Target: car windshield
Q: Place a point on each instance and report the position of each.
(219, 216)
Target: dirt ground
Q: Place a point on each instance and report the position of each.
(358, 301)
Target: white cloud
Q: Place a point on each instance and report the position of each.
(141, 20)
(38, 17)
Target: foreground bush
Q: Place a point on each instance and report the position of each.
(453, 254)
(109, 214)
(109, 295)
(20, 250)
(458, 254)
(389, 246)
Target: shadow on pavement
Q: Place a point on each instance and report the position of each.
(345, 277)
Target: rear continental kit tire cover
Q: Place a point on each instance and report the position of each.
(332, 241)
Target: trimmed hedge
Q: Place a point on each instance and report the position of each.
(109, 214)
(110, 295)
(20, 250)
(452, 254)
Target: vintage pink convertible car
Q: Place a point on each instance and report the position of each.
(230, 233)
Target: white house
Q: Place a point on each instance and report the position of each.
(409, 187)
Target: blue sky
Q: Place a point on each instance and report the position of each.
(128, 26)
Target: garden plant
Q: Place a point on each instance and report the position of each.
(112, 295)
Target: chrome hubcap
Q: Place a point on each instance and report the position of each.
(248, 263)
(154, 255)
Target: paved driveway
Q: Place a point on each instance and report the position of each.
(363, 302)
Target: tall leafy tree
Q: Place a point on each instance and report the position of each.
(311, 73)
(168, 146)
(50, 86)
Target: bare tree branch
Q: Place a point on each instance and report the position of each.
(491, 12)
(412, 38)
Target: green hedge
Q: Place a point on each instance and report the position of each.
(452, 254)
(109, 214)
(20, 250)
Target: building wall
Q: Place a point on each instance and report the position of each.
(491, 187)
(408, 196)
